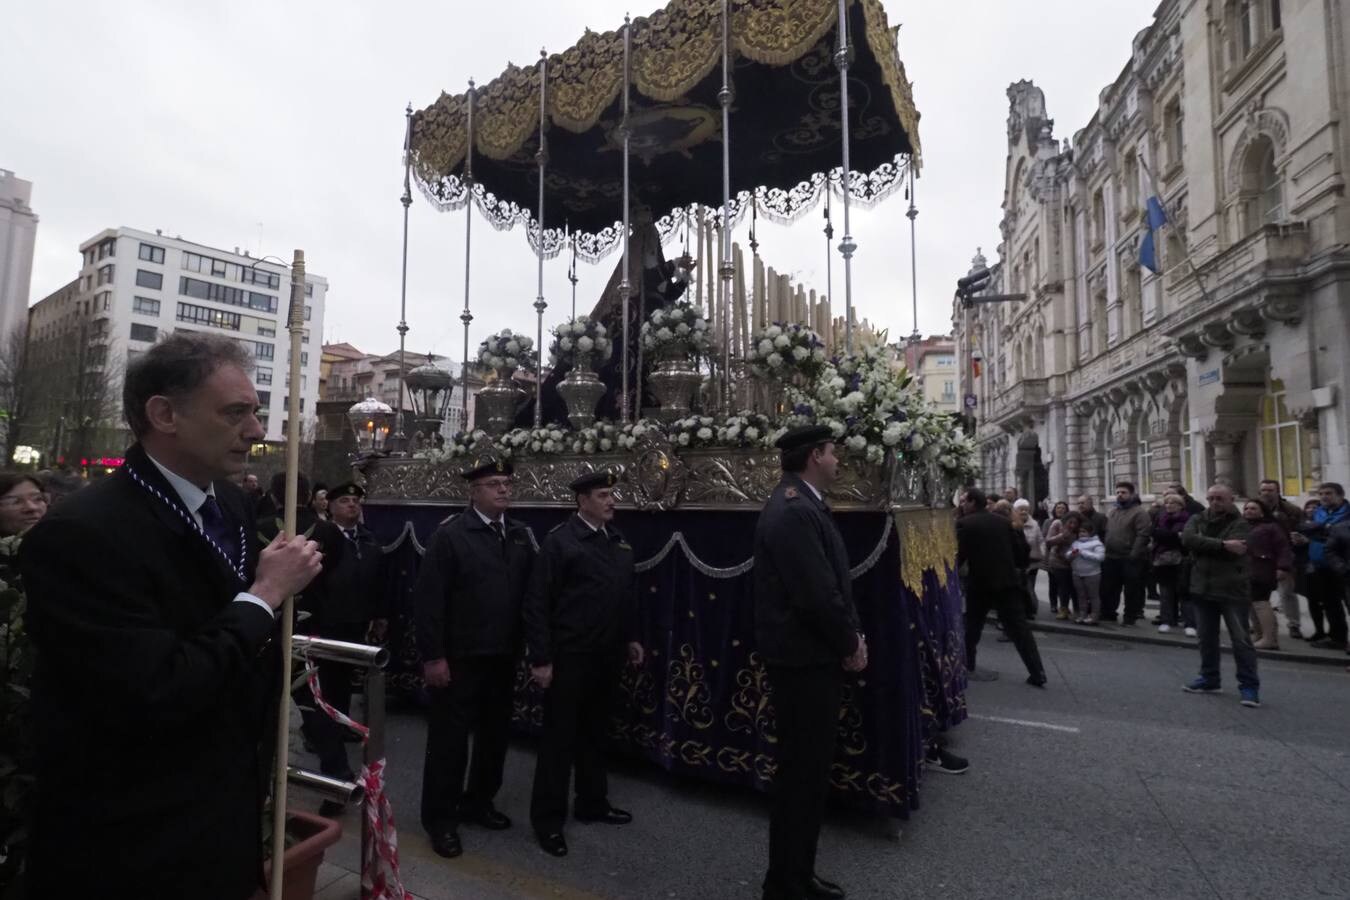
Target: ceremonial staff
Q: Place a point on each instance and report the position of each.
(296, 324)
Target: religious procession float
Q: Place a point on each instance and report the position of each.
(669, 132)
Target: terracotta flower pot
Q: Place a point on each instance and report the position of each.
(314, 834)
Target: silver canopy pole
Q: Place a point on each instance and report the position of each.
(726, 269)
(466, 317)
(913, 213)
(846, 246)
(625, 287)
(539, 304)
(406, 200)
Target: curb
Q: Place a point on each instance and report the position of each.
(1117, 634)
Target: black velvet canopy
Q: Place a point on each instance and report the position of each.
(785, 132)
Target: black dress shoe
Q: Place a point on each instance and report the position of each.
(446, 843)
(554, 844)
(819, 887)
(1037, 680)
(489, 817)
(611, 816)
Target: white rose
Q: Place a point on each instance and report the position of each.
(565, 344)
(891, 436)
(682, 329)
(705, 434)
(484, 357)
(782, 342)
(576, 446)
(775, 361)
(639, 430)
(774, 331)
(734, 432)
(578, 327)
(818, 354)
(684, 439)
(765, 347)
(916, 441)
(585, 344)
(512, 362)
(700, 325)
(606, 444)
(751, 433)
(536, 446)
(664, 334)
(837, 383)
(800, 353)
(513, 346)
(658, 317)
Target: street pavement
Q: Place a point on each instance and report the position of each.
(1110, 783)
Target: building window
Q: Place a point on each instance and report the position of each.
(307, 312)
(262, 375)
(151, 253)
(1274, 15)
(264, 398)
(1262, 193)
(149, 279)
(262, 350)
(1144, 452)
(1187, 453)
(141, 332)
(309, 289)
(1173, 132)
(266, 330)
(1129, 186)
(263, 302)
(217, 268)
(204, 315)
(102, 301)
(1286, 456)
(220, 293)
(105, 274)
(948, 391)
(145, 306)
(288, 403)
(266, 279)
(1108, 473)
(1098, 220)
(107, 248)
(1246, 26)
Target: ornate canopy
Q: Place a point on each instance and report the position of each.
(785, 135)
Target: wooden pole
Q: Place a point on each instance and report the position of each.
(296, 325)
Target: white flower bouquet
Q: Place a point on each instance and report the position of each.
(693, 431)
(676, 332)
(784, 352)
(581, 343)
(504, 352)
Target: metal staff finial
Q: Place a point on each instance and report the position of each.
(913, 213)
(406, 200)
(572, 269)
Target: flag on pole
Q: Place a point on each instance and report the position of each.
(1148, 247)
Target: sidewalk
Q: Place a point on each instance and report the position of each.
(1146, 633)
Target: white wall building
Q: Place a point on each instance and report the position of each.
(143, 286)
(18, 231)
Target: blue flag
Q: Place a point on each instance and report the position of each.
(1148, 248)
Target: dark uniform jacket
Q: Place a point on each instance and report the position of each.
(804, 613)
(582, 593)
(150, 696)
(989, 545)
(469, 591)
(347, 593)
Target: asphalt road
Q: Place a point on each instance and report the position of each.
(1110, 783)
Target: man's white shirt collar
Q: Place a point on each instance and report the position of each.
(488, 522)
(599, 528)
(812, 487)
(192, 496)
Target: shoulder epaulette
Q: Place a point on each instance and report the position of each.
(556, 527)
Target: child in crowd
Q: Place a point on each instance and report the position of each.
(1085, 558)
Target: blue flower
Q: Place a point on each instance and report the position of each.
(803, 409)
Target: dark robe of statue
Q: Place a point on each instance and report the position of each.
(657, 283)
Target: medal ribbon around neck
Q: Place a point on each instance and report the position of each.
(236, 568)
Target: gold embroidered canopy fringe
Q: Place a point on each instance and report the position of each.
(785, 120)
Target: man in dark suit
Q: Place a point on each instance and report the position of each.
(808, 633)
(153, 618)
(579, 610)
(988, 546)
(467, 606)
(343, 605)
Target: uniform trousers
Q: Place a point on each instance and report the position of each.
(806, 712)
(477, 701)
(576, 710)
(335, 683)
(1012, 615)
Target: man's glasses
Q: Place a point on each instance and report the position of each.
(16, 502)
(497, 484)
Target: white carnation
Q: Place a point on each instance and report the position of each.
(818, 354)
(774, 331)
(684, 439)
(705, 434)
(800, 353)
(585, 344)
(700, 325)
(775, 361)
(578, 327)
(782, 342)
(765, 347)
(682, 329)
(751, 433)
(606, 444)
(856, 442)
(565, 344)
(916, 441)
(664, 334)
(513, 346)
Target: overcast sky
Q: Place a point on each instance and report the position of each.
(271, 126)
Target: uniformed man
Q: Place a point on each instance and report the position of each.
(343, 603)
(467, 606)
(579, 610)
(808, 634)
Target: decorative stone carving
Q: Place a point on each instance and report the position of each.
(1154, 381)
(1217, 335)
(1192, 345)
(1286, 309)
(1247, 323)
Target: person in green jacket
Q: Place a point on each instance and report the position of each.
(1217, 542)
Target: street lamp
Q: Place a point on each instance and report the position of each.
(429, 390)
(370, 420)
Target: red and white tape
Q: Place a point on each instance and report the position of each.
(379, 845)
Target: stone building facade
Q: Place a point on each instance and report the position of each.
(1233, 364)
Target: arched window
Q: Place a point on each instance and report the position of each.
(1262, 191)
(1129, 186)
(1098, 220)
(1286, 455)
(1040, 351)
(1187, 459)
(1143, 455)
